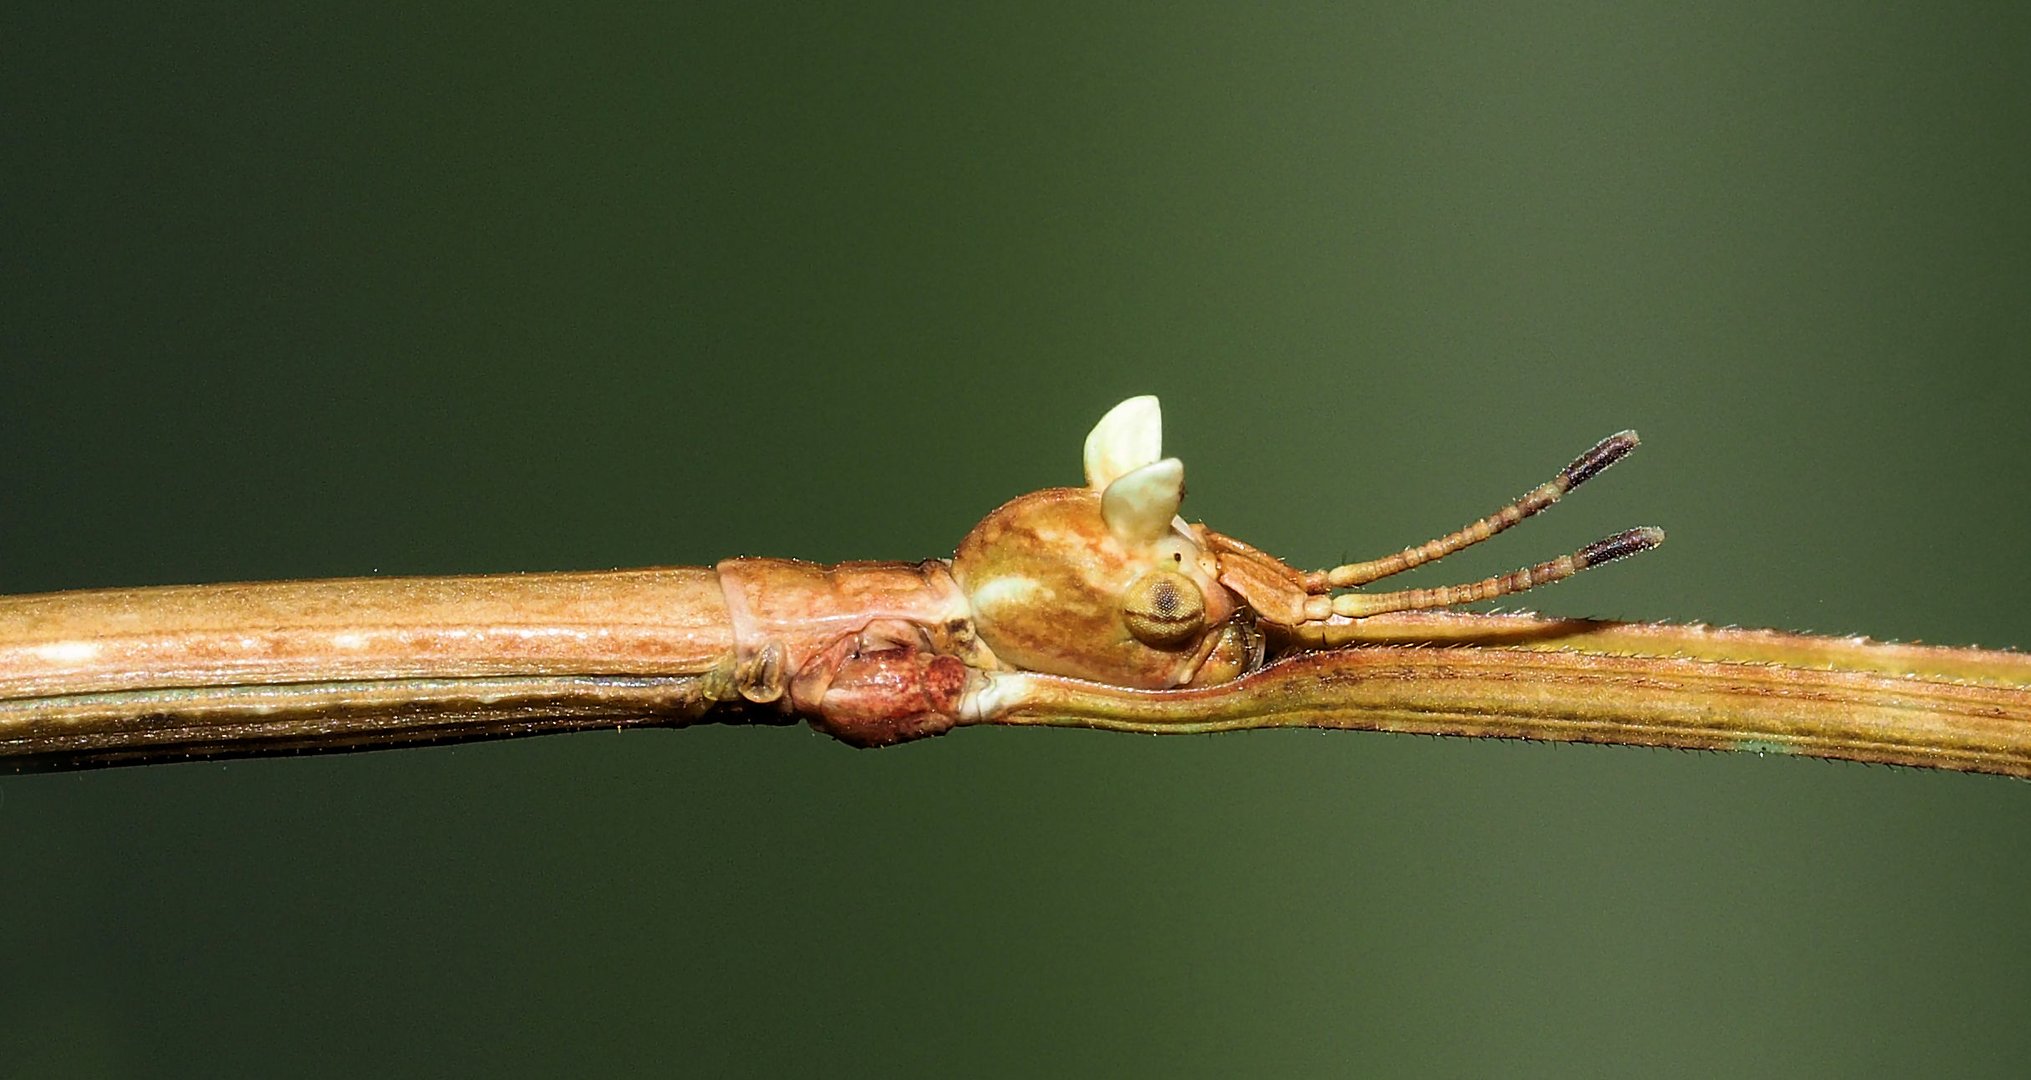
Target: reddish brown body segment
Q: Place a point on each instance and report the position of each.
(872, 652)
(804, 607)
(888, 696)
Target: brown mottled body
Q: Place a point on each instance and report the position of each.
(1048, 613)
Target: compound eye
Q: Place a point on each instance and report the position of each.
(1164, 609)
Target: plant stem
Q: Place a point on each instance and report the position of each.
(1521, 677)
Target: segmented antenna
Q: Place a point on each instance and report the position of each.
(1585, 467)
(1608, 549)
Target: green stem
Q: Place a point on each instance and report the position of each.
(1698, 688)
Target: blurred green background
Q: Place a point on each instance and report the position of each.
(292, 291)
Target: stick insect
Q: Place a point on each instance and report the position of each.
(1090, 606)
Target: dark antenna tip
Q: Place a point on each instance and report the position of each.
(1619, 546)
(1605, 453)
